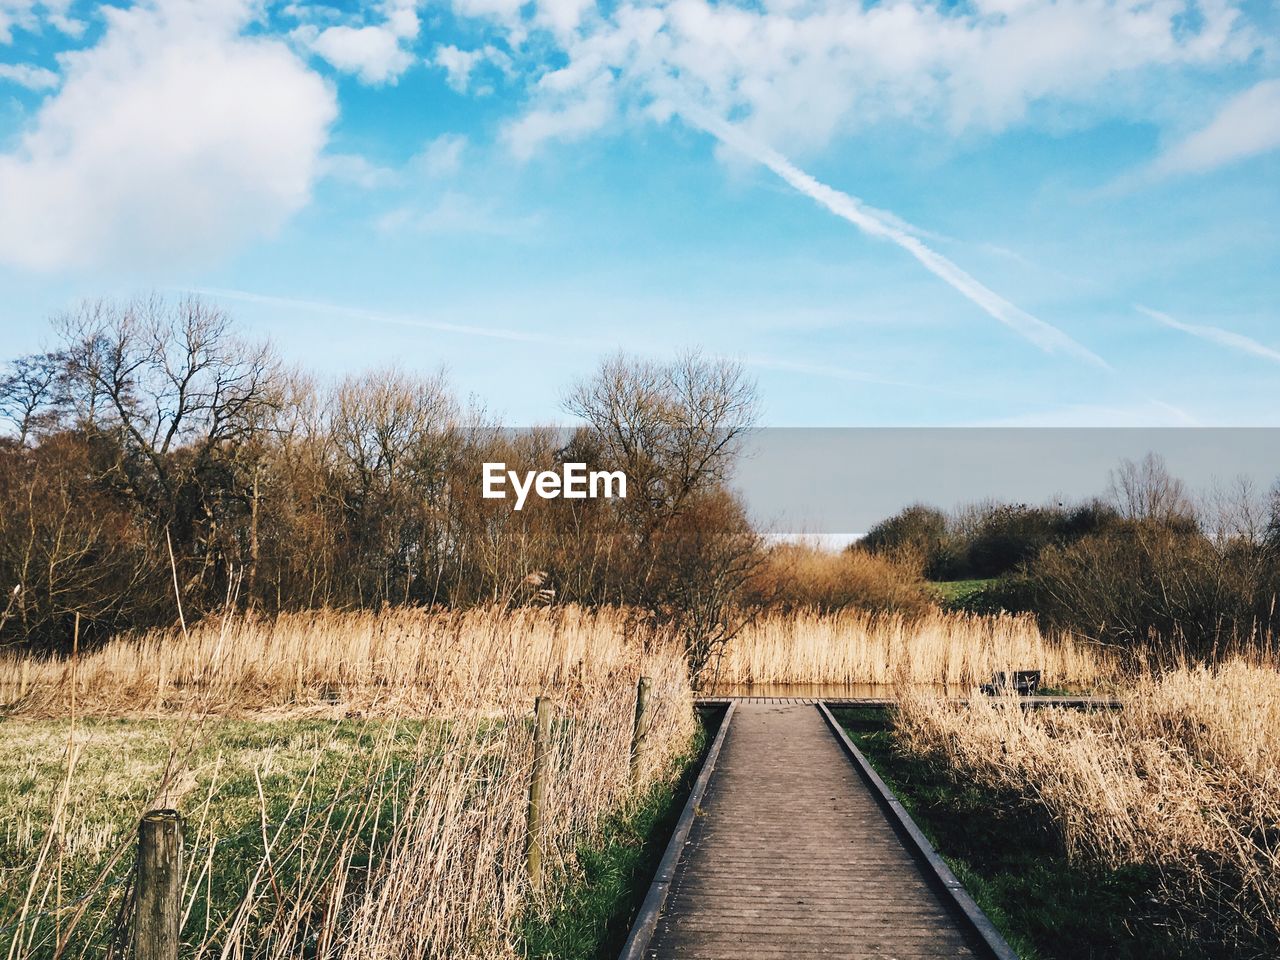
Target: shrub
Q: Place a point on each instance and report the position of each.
(800, 576)
(1144, 579)
(919, 533)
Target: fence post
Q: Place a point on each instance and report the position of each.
(26, 677)
(537, 789)
(157, 917)
(640, 731)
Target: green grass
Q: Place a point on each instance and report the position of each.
(615, 870)
(229, 775)
(954, 591)
(223, 765)
(1012, 863)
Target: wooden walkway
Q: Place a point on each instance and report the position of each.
(792, 856)
(1074, 702)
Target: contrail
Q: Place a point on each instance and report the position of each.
(888, 227)
(1225, 338)
(841, 373)
(392, 319)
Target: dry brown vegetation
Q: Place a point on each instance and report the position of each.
(855, 646)
(401, 661)
(798, 576)
(155, 458)
(399, 834)
(1185, 779)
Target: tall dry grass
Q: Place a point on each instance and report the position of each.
(402, 660)
(797, 576)
(853, 646)
(1184, 779)
(413, 851)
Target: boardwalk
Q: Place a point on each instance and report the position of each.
(793, 857)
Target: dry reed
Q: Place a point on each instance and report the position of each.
(1185, 779)
(399, 661)
(854, 646)
(415, 851)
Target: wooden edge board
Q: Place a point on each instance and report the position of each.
(921, 847)
(1101, 703)
(646, 921)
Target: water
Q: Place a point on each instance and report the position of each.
(818, 691)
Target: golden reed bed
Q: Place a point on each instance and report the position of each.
(419, 660)
(938, 648)
(392, 663)
(1185, 778)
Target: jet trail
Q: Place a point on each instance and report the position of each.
(888, 227)
(1225, 338)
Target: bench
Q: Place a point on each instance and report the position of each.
(1022, 682)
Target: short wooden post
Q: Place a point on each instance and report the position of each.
(537, 789)
(26, 678)
(640, 731)
(157, 918)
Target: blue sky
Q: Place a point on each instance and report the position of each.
(901, 213)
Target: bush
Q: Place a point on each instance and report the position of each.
(918, 534)
(799, 576)
(1145, 579)
(983, 540)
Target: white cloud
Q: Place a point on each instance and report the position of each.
(563, 16)
(31, 15)
(365, 316)
(460, 65)
(25, 75)
(376, 53)
(1223, 338)
(1247, 125)
(583, 113)
(884, 226)
(459, 213)
(442, 156)
(175, 137)
(457, 65)
(507, 11)
(801, 73)
(357, 170)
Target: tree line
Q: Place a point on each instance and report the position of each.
(1144, 564)
(158, 461)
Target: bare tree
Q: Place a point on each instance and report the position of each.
(674, 428)
(394, 435)
(165, 376)
(29, 394)
(1145, 490)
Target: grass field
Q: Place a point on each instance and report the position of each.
(951, 591)
(376, 811)
(354, 787)
(613, 875)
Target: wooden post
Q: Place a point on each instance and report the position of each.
(641, 729)
(26, 678)
(157, 917)
(537, 789)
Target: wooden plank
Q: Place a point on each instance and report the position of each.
(792, 856)
(647, 919)
(921, 846)
(1028, 702)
